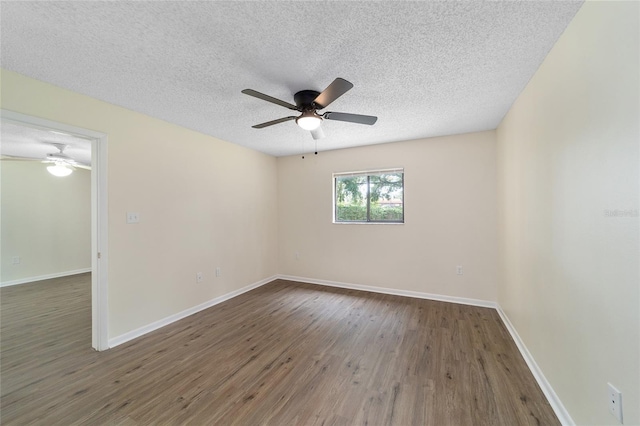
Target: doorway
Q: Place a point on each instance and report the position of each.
(99, 223)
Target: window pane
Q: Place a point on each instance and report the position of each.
(351, 198)
(386, 197)
(376, 196)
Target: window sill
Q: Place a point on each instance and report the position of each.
(368, 223)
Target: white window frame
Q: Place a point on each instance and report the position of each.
(367, 173)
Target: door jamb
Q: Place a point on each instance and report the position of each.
(99, 218)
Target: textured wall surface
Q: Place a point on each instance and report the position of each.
(46, 220)
(209, 203)
(569, 187)
(450, 218)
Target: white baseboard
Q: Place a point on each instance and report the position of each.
(559, 409)
(44, 277)
(393, 291)
(557, 406)
(123, 338)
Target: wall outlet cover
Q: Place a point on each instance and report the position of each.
(615, 402)
(133, 217)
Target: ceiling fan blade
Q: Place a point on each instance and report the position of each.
(317, 133)
(351, 118)
(268, 98)
(339, 87)
(74, 164)
(272, 122)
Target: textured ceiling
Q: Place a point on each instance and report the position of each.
(29, 142)
(424, 68)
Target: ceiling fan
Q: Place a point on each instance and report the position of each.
(61, 163)
(308, 102)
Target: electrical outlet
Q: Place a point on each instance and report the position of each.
(615, 402)
(218, 271)
(133, 217)
(459, 270)
(297, 254)
(199, 277)
(15, 260)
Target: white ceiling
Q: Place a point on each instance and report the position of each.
(30, 142)
(424, 68)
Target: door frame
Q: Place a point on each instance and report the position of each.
(99, 218)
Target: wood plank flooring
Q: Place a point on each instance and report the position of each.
(284, 354)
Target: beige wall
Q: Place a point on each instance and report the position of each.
(450, 218)
(46, 221)
(203, 203)
(568, 152)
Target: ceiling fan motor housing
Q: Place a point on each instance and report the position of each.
(304, 100)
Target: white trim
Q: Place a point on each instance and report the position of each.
(369, 172)
(44, 277)
(367, 223)
(99, 245)
(393, 291)
(99, 219)
(45, 124)
(557, 406)
(123, 338)
(364, 173)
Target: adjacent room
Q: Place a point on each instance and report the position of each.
(346, 213)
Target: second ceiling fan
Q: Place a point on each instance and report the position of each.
(308, 102)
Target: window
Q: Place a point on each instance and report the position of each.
(369, 197)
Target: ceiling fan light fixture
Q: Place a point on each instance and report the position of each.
(59, 170)
(309, 120)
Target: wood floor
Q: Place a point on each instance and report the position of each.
(284, 354)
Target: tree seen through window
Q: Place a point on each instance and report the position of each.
(369, 197)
